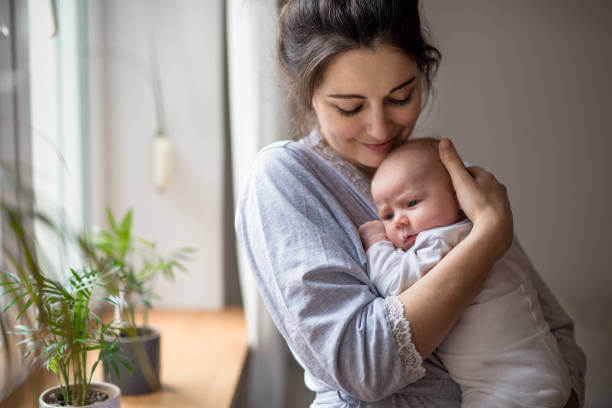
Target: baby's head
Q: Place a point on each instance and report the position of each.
(413, 192)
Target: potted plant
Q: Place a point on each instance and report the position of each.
(58, 327)
(134, 265)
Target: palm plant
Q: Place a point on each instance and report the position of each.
(57, 325)
(134, 264)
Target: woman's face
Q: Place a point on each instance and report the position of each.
(368, 103)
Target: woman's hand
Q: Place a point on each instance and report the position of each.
(372, 232)
(482, 198)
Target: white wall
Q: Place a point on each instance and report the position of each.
(525, 91)
(187, 35)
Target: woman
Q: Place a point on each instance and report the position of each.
(360, 68)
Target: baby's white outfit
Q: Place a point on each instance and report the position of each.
(501, 351)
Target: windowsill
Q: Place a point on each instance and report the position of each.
(202, 354)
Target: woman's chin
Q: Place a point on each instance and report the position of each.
(368, 166)
(372, 163)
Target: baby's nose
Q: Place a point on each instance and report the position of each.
(401, 221)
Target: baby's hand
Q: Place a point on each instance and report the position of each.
(371, 232)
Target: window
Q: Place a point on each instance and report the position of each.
(42, 122)
(58, 116)
(14, 142)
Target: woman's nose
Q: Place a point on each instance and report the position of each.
(379, 127)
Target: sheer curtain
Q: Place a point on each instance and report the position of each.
(258, 116)
(258, 112)
(15, 160)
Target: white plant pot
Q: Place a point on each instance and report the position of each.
(113, 400)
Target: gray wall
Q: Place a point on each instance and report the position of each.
(525, 91)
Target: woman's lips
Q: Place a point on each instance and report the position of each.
(380, 147)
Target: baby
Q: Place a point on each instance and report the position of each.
(501, 351)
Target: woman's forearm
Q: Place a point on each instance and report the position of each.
(435, 302)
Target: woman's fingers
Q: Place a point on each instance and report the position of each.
(482, 198)
(453, 163)
(490, 192)
(482, 176)
(464, 182)
(476, 171)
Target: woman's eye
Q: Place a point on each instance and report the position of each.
(348, 112)
(400, 102)
(412, 203)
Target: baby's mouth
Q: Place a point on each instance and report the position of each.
(408, 238)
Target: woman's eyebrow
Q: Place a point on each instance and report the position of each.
(346, 96)
(408, 82)
(356, 96)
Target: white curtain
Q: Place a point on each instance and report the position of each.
(258, 116)
(258, 112)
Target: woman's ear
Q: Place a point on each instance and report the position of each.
(313, 101)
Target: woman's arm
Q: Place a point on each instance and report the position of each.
(304, 252)
(435, 302)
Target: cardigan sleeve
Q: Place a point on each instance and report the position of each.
(304, 252)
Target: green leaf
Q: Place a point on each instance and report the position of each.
(111, 219)
(114, 365)
(127, 365)
(25, 307)
(126, 223)
(13, 301)
(93, 368)
(52, 365)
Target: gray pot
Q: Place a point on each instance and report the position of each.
(142, 352)
(113, 401)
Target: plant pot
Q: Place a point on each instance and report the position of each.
(142, 352)
(113, 400)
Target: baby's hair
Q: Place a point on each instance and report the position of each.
(424, 142)
(434, 165)
(430, 142)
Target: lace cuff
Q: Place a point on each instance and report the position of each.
(413, 362)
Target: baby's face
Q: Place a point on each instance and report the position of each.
(412, 195)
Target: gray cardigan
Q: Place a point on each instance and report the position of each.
(297, 221)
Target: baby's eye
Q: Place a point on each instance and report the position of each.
(388, 216)
(412, 203)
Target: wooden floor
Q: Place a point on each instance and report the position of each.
(202, 356)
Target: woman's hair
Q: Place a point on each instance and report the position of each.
(312, 32)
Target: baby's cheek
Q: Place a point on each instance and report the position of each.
(395, 237)
(388, 230)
